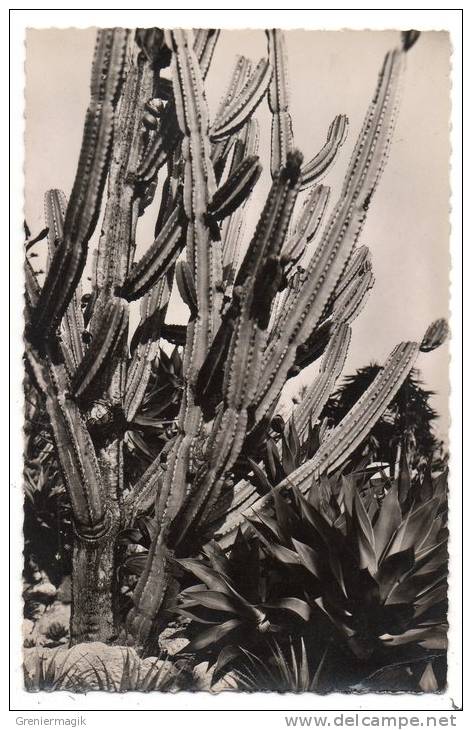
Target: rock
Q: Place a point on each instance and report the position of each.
(64, 592)
(203, 676)
(170, 643)
(28, 627)
(43, 592)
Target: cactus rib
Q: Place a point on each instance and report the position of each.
(75, 450)
(73, 320)
(84, 205)
(162, 145)
(186, 286)
(111, 318)
(236, 189)
(153, 311)
(310, 407)
(256, 285)
(243, 105)
(337, 446)
(340, 236)
(316, 168)
(205, 261)
(205, 40)
(278, 97)
(157, 260)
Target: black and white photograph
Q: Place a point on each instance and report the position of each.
(236, 336)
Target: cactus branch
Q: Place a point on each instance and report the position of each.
(83, 209)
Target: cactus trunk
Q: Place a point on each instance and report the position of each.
(94, 590)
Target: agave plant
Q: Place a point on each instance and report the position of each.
(234, 607)
(282, 670)
(54, 671)
(373, 568)
(48, 673)
(160, 676)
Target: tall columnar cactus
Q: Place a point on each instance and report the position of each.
(251, 325)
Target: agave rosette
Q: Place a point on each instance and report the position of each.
(233, 606)
(374, 569)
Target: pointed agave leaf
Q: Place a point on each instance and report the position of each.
(284, 555)
(212, 636)
(215, 600)
(295, 605)
(263, 484)
(414, 527)
(226, 655)
(388, 521)
(309, 557)
(365, 536)
(243, 105)
(317, 168)
(404, 478)
(428, 681)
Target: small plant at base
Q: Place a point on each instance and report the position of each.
(56, 631)
(280, 670)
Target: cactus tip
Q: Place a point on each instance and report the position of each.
(435, 335)
(293, 165)
(409, 38)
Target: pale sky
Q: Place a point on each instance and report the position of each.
(407, 228)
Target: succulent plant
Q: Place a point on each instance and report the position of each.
(282, 670)
(177, 438)
(56, 631)
(233, 608)
(374, 566)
